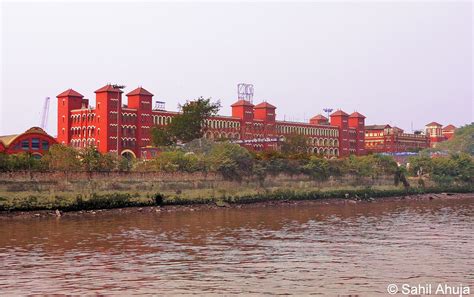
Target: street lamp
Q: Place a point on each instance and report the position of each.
(118, 88)
(328, 111)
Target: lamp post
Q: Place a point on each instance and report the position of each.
(118, 88)
(328, 111)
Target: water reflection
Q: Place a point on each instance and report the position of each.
(301, 249)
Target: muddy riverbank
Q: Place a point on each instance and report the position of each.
(38, 214)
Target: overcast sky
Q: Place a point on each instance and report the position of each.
(395, 62)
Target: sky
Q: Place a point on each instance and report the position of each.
(399, 63)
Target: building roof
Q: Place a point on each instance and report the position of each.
(433, 124)
(319, 117)
(242, 103)
(9, 139)
(339, 113)
(397, 129)
(449, 128)
(69, 93)
(377, 127)
(265, 105)
(140, 91)
(356, 115)
(108, 88)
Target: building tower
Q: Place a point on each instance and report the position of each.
(341, 120)
(108, 112)
(141, 100)
(243, 110)
(67, 101)
(357, 121)
(435, 131)
(266, 113)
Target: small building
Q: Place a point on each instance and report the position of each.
(448, 131)
(439, 134)
(34, 140)
(387, 139)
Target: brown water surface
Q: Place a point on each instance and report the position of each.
(307, 248)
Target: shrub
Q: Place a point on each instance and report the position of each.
(231, 160)
(317, 168)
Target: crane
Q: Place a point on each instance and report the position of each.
(44, 116)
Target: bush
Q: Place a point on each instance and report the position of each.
(317, 168)
(232, 161)
(444, 170)
(178, 161)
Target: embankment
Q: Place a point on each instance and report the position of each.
(22, 191)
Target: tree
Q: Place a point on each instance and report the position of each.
(318, 168)
(161, 136)
(178, 161)
(188, 125)
(91, 159)
(62, 158)
(231, 160)
(295, 145)
(4, 162)
(462, 141)
(419, 165)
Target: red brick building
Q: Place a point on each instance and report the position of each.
(437, 133)
(112, 126)
(387, 139)
(35, 141)
(448, 131)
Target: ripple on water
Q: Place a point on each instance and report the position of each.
(317, 248)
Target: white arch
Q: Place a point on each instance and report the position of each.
(128, 151)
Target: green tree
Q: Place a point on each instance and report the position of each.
(124, 164)
(178, 161)
(4, 162)
(161, 136)
(295, 145)
(188, 125)
(461, 142)
(62, 158)
(318, 168)
(418, 165)
(91, 159)
(231, 160)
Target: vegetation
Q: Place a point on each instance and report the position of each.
(73, 201)
(188, 125)
(457, 168)
(295, 145)
(461, 142)
(290, 174)
(236, 163)
(66, 159)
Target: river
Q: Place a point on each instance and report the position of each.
(303, 248)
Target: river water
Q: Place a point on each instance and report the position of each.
(306, 248)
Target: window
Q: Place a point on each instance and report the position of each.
(45, 145)
(25, 145)
(35, 143)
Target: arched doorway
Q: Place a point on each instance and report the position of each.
(128, 154)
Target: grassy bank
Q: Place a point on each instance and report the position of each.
(68, 201)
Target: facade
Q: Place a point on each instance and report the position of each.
(437, 133)
(114, 127)
(35, 141)
(387, 139)
(448, 131)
